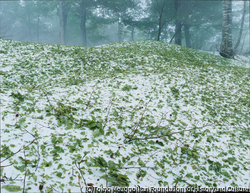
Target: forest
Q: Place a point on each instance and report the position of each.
(194, 24)
(111, 94)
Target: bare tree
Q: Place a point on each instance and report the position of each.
(178, 25)
(241, 26)
(63, 14)
(161, 8)
(226, 45)
(249, 28)
(83, 21)
(2, 28)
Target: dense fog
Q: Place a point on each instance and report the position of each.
(96, 22)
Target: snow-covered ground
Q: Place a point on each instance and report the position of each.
(125, 114)
(239, 58)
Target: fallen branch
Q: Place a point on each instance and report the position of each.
(79, 168)
(139, 122)
(169, 134)
(16, 152)
(25, 175)
(110, 105)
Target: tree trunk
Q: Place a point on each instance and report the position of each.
(160, 25)
(249, 29)
(65, 15)
(159, 8)
(30, 36)
(83, 22)
(37, 29)
(177, 38)
(132, 33)
(243, 43)
(119, 29)
(187, 35)
(159, 28)
(241, 27)
(63, 21)
(226, 46)
(62, 32)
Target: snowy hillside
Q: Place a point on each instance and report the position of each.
(125, 114)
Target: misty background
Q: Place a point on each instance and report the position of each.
(96, 22)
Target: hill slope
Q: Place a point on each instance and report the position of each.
(134, 113)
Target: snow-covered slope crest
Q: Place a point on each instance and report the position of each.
(125, 114)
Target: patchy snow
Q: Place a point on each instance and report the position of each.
(133, 113)
(243, 60)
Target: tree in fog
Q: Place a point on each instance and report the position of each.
(119, 9)
(183, 11)
(80, 9)
(201, 22)
(132, 19)
(64, 8)
(241, 27)
(160, 13)
(1, 25)
(91, 20)
(42, 9)
(178, 24)
(83, 15)
(226, 45)
(227, 49)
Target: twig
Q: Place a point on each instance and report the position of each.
(136, 167)
(140, 167)
(54, 188)
(7, 179)
(7, 165)
(37, 146)
(170, 134)
(46, 94)
(154, 177)
(110, 104)
(121, 110)
(5, 150)
(136, 106)
(38, 156)
(70, 118)
(240, 59)
(79, 181)
(136, 126)
(161, 119)
(187, 183)
(182, 23)
(29, 133)
(158, 125)
(79, 168)
(106, 178)
(43, 125)
(25, 162)
(16, 152)
(88, 103)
